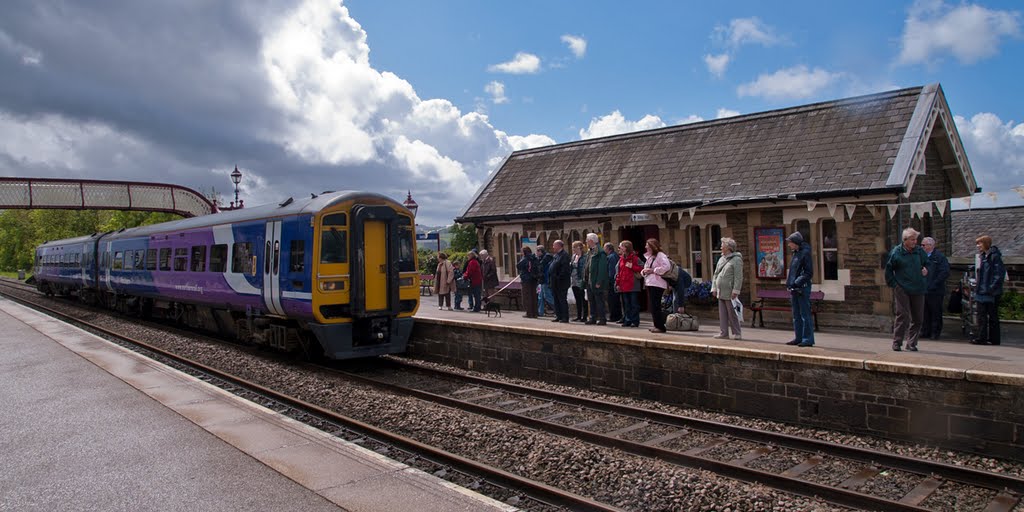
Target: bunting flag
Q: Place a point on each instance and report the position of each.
(892, 209)
(1019, 190)
(920, 209)
(993, 196)
(850, 208)
(811, 205)
(941, 205)
(966, 201)
(831, 209)
(873, 210)
(692, 212)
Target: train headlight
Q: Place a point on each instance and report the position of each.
(406, 281)
(332, 286)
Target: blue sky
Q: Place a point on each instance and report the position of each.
(389, 96)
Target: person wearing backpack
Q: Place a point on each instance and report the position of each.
(545, 297)
(529, 272)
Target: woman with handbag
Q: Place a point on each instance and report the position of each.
(626, 284)
(444, 281)
(656, 266)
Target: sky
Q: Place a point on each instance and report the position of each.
(393, 96)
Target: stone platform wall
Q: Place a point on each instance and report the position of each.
(974, 411)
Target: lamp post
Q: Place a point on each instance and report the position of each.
(410, 204)
(236, 178)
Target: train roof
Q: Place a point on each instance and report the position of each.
(286, 208)
(69, 241)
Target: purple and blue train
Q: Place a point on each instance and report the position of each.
(334, 275)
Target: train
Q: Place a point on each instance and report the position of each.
(333, 276)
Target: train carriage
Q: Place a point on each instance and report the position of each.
(66, 267)
(335, 273)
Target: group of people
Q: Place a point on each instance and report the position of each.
(918, 274)
(606, 282)
(479, 276)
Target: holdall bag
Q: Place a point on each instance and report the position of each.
(673, 273)
(681, 322)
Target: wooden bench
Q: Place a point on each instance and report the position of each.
(426, 284)
(512, 293)
(758, 305)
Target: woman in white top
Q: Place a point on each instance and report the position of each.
(656, 266)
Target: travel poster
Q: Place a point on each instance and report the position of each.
(770, 248)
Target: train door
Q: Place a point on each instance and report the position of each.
(272, 268)
(375, 263)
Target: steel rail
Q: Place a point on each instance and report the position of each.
(547, 493)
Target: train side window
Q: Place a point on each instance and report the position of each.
(406, 254)
(150, 259)
(118, 261)
(218, 257)
(165, 259)
(180, 259)
(129, 260)
(198, 258)
(297, 256)
(139, 256)
(241, 261)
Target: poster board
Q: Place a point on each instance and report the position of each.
(770, 250)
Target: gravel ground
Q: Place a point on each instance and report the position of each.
(627, 481)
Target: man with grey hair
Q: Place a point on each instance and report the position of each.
(938, 272)
(597, 280)
(905, 272)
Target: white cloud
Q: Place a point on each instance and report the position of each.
(995, 149)
(717, 63)
(522, 63)
(529, 141)
(28, 56)
(576, 44)
(692, 118)
(747, 31)
(725, 112)
(796, 82)
(497, 91)
(615, 123)
(969, 32)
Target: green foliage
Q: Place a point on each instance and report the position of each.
(1011, 306)
(22, 230)
(427, 259)
(463, 237)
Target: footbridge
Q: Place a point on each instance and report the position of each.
(72, 194)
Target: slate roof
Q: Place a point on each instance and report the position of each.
(1004, 225)
(824, 149)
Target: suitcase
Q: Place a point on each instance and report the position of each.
(681, 322)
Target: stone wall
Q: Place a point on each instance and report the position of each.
(972, 411)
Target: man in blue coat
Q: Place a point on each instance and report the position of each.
(798, 282)
(559, 274)
(938, 272)
(614, 300)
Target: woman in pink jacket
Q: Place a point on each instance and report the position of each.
(656, 265)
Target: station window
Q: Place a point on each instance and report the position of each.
(297, 256)
(198, 258)
(180, 259)
(218, 258)
(118, 261)
(829, 250)
(715, 239)
(165, 259)
(150, 259)
(696, 255)
(241, 258)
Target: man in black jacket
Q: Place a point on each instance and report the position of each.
(560, 274)
(798, 282)
(938, 272)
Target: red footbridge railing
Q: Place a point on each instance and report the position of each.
(72, 194)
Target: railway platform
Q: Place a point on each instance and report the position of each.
(950, 393)
(89, 425)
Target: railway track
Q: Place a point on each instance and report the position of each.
(777, 460)
(840, 474)
(548, 496)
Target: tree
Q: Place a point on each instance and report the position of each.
(463, 237)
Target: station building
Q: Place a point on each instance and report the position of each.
(849, 174)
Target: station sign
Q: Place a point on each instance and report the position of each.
(428, 236)
(640, 217)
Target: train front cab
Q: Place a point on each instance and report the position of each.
(366, 289)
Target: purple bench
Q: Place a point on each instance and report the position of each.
(512, 293)
(758, 305)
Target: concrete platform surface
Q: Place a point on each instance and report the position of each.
(88, 425)
(949, 358)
